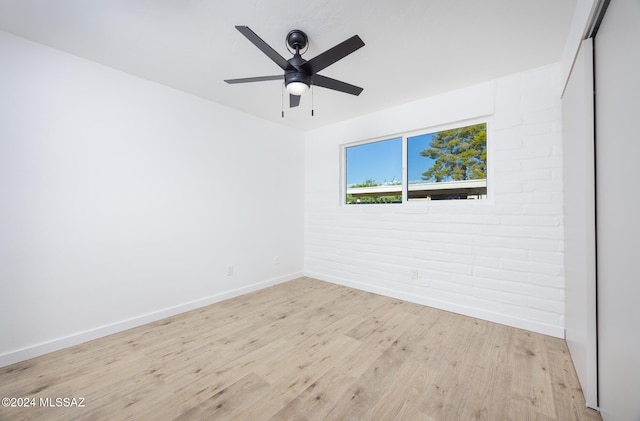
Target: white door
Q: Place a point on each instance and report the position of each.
(579, 221)
(617, 82)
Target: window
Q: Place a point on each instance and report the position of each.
(448, 164)
(374, 172)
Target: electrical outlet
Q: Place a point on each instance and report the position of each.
(414, 274)
(276, 260)
(230, 270)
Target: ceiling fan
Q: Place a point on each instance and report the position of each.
(300, 74)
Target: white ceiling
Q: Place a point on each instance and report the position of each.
(414, 48)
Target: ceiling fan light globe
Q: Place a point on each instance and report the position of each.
(297, 88)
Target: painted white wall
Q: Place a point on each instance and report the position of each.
(123, 201)
(499, 259)
(580, 222)
(617, 66)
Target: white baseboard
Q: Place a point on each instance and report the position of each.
(87, 335)
(533, 326)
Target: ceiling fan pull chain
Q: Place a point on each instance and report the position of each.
(282, 99)
(312, 100)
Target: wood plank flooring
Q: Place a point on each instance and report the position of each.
(306, 350)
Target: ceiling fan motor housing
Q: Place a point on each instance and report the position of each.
(297, 74)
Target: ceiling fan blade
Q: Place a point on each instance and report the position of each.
(332, 55)
(265, 48)
(294, 100)
(336, 85)
(255, 79)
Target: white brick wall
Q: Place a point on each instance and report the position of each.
(500, 259)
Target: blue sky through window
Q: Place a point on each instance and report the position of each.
(416, 163)
(380, 161)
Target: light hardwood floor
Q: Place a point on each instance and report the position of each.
(306, 350)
